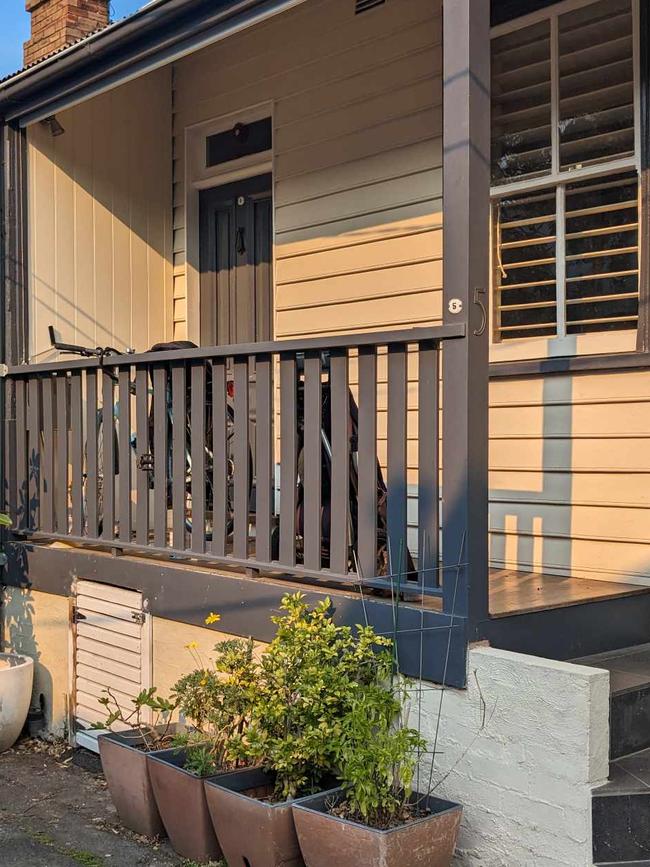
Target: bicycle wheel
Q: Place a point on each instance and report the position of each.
(87, 486)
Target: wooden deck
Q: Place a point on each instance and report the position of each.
(521, 592)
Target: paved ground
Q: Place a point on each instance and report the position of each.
(55, 813)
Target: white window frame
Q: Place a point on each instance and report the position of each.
(562, 343)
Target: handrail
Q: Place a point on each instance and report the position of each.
(344, 341)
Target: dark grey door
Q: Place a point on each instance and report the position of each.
(235, 262)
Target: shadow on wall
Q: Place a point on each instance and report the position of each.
(530, 530)
(100, 199)
(18, 635)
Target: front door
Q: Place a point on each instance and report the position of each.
(235, 262)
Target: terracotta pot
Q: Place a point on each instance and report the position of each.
(180, 796)
(252, 832)
(127, 774)
(326, 840)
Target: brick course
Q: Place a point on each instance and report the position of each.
(57, 23)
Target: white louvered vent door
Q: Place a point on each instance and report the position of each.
(112, 650)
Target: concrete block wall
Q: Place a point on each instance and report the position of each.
(521, 749)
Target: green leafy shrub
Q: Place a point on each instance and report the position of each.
(308, 680)
(216, 700)
(377, 758)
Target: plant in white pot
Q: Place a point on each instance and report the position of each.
(16, 681)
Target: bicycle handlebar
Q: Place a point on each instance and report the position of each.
(83, 351)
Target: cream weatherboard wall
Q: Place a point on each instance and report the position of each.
(358, 244)
(357, 166)
(570, 473)
(357, 121)
(100, 220)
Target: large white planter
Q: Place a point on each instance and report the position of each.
(16, 677)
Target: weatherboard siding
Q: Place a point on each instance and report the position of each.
(100, 220)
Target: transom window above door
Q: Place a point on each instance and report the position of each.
(565, 161)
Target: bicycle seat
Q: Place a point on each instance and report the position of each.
(173, 344)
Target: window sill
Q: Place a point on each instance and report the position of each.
(607, 362)
(545, 348)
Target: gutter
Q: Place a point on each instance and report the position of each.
(154, 36)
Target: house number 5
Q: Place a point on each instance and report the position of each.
(455, 305)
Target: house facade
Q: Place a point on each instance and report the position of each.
(393, 257)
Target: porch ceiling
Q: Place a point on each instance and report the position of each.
(156, 35)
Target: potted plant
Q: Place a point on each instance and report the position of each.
(305, 684)
(123, 754)
(374, 817)
(215, 699)
(16, 680)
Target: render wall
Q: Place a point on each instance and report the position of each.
(521, 749)
(36, 624)
(100, 220)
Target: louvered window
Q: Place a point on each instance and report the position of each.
(565, 171)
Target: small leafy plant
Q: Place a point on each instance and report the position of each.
(377, 758)
(216, 699)
(308, 680)
(155, 735)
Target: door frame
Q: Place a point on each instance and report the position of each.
(198, 177)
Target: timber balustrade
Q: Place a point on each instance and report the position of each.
(315, 457)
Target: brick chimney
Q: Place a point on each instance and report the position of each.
(57, 23)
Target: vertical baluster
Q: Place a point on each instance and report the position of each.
(22, 464)
(124, 446)
(34, 445)
(312, 461)
(76, 449)
(160, 456)
(367, 444)
(61, 494)
(263, 458)
(219, 458)
(108, 456)
(91, 484)
(397, 476)
(179, 446)
(198, 457)
(11, 453)
(142, 455)
(340, 497)
(288, 456)
(241, 460)
(47, 511)
(428, 464)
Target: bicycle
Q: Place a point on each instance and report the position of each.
(383, 561)
(146, 461)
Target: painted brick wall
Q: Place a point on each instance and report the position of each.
(525, 778)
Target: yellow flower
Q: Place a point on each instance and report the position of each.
(204, 681)
(212, 618)
(192, 645)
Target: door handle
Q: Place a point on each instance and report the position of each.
(240, 241)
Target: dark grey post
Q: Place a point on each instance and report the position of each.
(13, 307)
(466, 148)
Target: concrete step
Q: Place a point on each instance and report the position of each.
(629, 722)
(621, 813)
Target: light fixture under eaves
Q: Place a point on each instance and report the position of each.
(54, 125)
